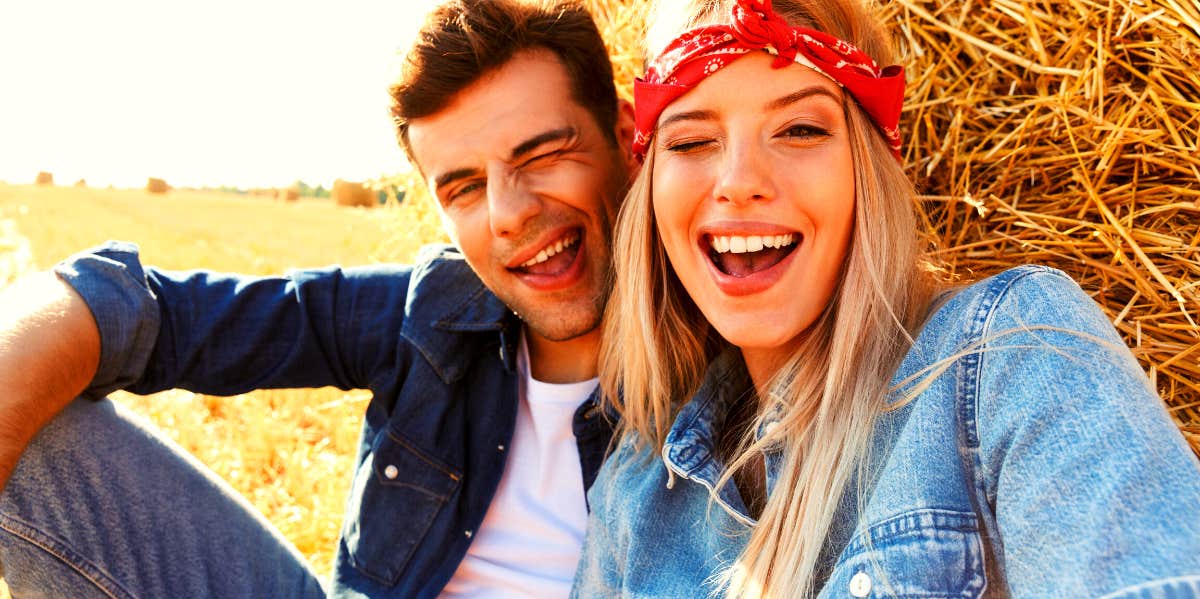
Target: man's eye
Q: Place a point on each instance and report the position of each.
(539, 159)
(465, 191)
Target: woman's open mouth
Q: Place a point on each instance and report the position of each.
(744, 255)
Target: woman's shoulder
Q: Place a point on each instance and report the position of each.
(1021, 299)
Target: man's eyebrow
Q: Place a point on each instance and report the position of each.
(445, 179)
(808, 92)
(532, 143)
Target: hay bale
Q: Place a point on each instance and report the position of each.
(1066, 135)
(1068, 139)
(157, 186)
(350, 193)
(290, 194)
(44, 178)
(81, 183)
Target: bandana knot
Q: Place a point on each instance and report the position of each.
(758, 25)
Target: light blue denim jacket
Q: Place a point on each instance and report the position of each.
(1039, 464)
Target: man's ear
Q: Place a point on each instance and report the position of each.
(624, 133)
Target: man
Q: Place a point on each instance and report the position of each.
(482, 433)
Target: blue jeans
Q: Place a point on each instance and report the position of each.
(101, 506)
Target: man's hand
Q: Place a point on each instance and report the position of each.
(49, 352)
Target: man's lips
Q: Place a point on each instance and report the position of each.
(557, 264)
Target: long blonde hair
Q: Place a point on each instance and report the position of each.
(657, 344)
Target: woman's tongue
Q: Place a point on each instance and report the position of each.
(748, 263)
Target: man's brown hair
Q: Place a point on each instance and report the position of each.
(463, 40)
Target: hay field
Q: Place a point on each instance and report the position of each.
(288, 451)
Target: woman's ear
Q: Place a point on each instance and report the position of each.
(624, 133)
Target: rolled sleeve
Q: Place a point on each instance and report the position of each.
(112, 282)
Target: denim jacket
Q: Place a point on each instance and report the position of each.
(434, 346)
(1039, 463)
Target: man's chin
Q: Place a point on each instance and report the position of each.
(563, 327)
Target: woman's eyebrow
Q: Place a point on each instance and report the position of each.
(691, 115)
(808, 92)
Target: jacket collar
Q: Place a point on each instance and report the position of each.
(450, 315)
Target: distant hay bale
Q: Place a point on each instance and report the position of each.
(290, 194)
(155, 185)
(81, 183)
(44, 178)
(350, 193)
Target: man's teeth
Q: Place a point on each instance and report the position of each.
(552, 250)
(751, 243)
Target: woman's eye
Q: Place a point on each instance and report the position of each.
(686, 146)
(805, 132)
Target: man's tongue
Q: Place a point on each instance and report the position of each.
(556, 264)
(744, 265)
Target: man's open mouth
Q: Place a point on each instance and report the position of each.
(743, 255)
(553, 259)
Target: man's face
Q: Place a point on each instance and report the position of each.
(528, 186)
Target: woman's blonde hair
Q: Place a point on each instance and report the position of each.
(657, 344)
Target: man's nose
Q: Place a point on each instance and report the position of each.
(744, 174)
(511, 203)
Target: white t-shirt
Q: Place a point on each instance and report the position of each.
(531, 536)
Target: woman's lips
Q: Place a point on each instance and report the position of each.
(747, 264)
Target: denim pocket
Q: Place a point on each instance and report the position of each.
(398, 491)
(927, 553)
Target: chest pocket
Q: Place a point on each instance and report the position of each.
(398, 491)
(927, 553)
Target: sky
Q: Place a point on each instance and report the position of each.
(244, 93)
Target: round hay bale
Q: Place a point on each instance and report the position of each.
(1069, 139)
(1066, 135)
(157, 186)
(290, 194)
(350, 193)
(44, 178)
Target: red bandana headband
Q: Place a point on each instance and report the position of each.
(700, 52)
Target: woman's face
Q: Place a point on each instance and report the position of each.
(754, 197)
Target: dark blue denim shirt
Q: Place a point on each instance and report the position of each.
(434, 346)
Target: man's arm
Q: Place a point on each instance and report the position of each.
(49, 351)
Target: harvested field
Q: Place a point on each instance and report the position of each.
(288, 451)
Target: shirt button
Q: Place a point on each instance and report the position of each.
(860, 585)
(500, 447)
(469, 533)
(391, 472)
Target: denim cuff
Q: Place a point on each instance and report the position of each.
(112, 282)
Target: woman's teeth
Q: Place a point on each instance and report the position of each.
(552, 250)
(752, 243)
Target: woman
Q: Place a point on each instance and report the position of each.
(803, 411)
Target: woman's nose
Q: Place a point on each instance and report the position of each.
(744, 174)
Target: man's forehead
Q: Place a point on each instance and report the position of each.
(493, 117)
